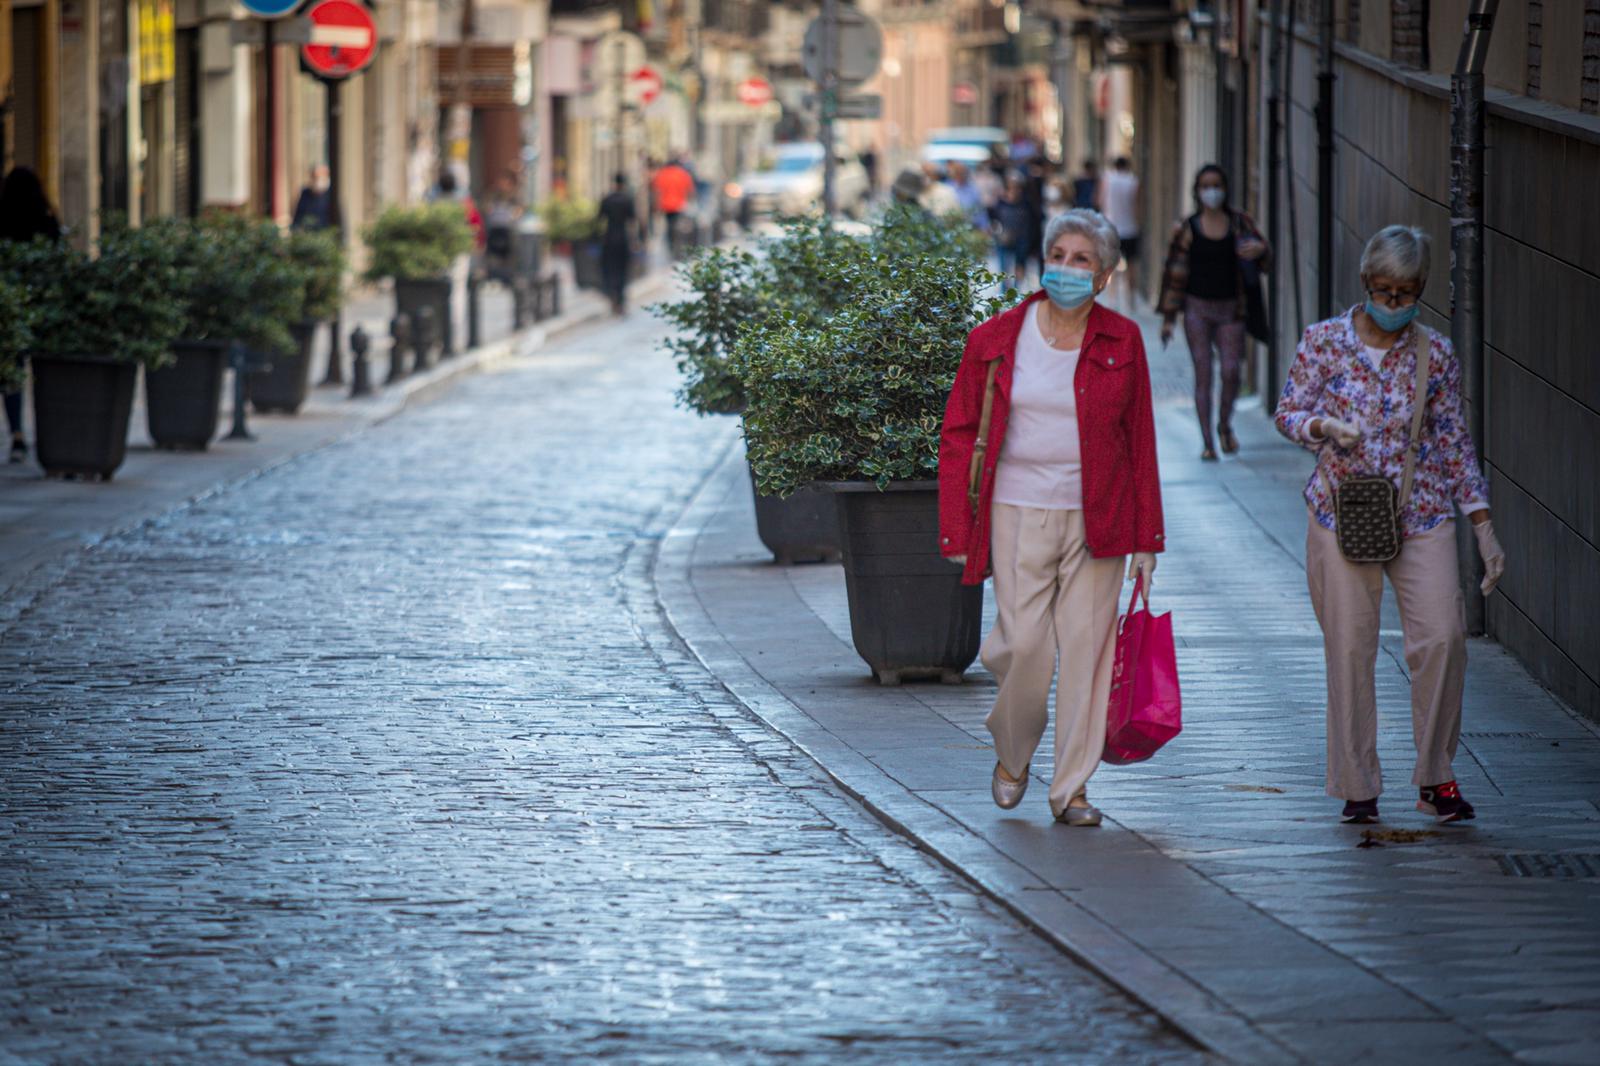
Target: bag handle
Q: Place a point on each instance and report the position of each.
(1419, 406)
(980, 446)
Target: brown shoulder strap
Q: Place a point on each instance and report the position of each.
(980, 446)
(1419, 406)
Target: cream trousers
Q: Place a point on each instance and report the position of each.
(1346, 597)
(1054, 600)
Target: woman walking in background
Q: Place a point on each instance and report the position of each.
(1059, 489)
(1011, 222)
(1204, 280)
(1377, 394)
(25, 214)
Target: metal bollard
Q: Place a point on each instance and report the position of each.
(400, 331)
(474, 309)
(422, 339)
(519, 302)
(240, 357)
(360, 372)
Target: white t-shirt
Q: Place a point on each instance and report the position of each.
(1374, 356)
(1040, 464)
(1121, 202)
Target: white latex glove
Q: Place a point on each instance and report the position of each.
(1145, 562)
(1341, 433)
(1494, 556)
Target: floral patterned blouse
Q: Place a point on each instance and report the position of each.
(1331, 379)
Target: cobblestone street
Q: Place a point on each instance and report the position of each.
(388, 755)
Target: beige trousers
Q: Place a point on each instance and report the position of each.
(1346, 597)
(1053, 599)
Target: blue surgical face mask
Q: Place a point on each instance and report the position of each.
(1391, 319)
(1068, 287)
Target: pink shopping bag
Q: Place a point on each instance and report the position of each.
(1146, 709)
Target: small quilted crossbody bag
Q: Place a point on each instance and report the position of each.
(1367, 507)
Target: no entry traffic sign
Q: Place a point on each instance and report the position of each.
(644, 85)
(343, 38)
(756, 92)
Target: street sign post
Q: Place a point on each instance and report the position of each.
(841, 50)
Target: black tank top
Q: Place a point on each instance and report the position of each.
(1213, 265)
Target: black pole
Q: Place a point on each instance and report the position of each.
(335, 375)
(269, 143)
(1325, 79)
(1274, 206)
(1466, 259)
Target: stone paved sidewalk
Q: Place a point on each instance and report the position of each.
(1222, 890)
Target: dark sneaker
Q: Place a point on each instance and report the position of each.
(19, 451)
(1360, 812)
(1444, 802)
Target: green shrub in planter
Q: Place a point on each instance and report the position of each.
(727, 292)
(16, 331)
(570, 219)
(239, 282)
(321, 258)
(421, 241)
(906, 229)
(123, 304)
(859, 395)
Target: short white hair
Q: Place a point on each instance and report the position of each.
(1397, 252)
(1091, 224)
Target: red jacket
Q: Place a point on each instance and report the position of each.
(1116, 434)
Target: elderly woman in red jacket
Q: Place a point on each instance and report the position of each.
(1067, 488)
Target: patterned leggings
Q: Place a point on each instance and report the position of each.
(1207, 323)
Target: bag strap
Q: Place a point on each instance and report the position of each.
(1419, 407)
(980, 446)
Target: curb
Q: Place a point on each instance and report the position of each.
(1180, 1002)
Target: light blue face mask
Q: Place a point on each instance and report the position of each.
(1391, 319)
(1068, 287)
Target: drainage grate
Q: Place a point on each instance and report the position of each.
(1526, 735)
(1549, 865)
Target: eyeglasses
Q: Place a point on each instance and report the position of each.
(1393, 298)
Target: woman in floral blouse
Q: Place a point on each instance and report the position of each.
(1349, 398)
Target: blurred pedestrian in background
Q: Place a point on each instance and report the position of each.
(909, 187)
(448, 189)
(1032, 171)
(968, 197)
(1086, 186)
(1119, 199)
(621, 220)
(1062, 488)
(25, 215)
(1204, 280)
(313, 209)
(1012, 223)
(939, 198)
(674, 190)
(1353, 396)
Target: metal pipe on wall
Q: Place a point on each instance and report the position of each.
(1269, 383)
(1466, 258)
(1325, 79)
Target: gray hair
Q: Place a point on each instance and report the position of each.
(1398, 252)
(1091, 224)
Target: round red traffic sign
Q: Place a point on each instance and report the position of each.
(755, 91)
(644, 85)
(343, 38)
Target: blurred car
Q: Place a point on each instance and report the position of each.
(792, 185)
(972, 145)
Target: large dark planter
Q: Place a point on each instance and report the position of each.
(182, 398)
(804, 528)
(286, 385)
(411, 295)
(910, 616)
(81, 407)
